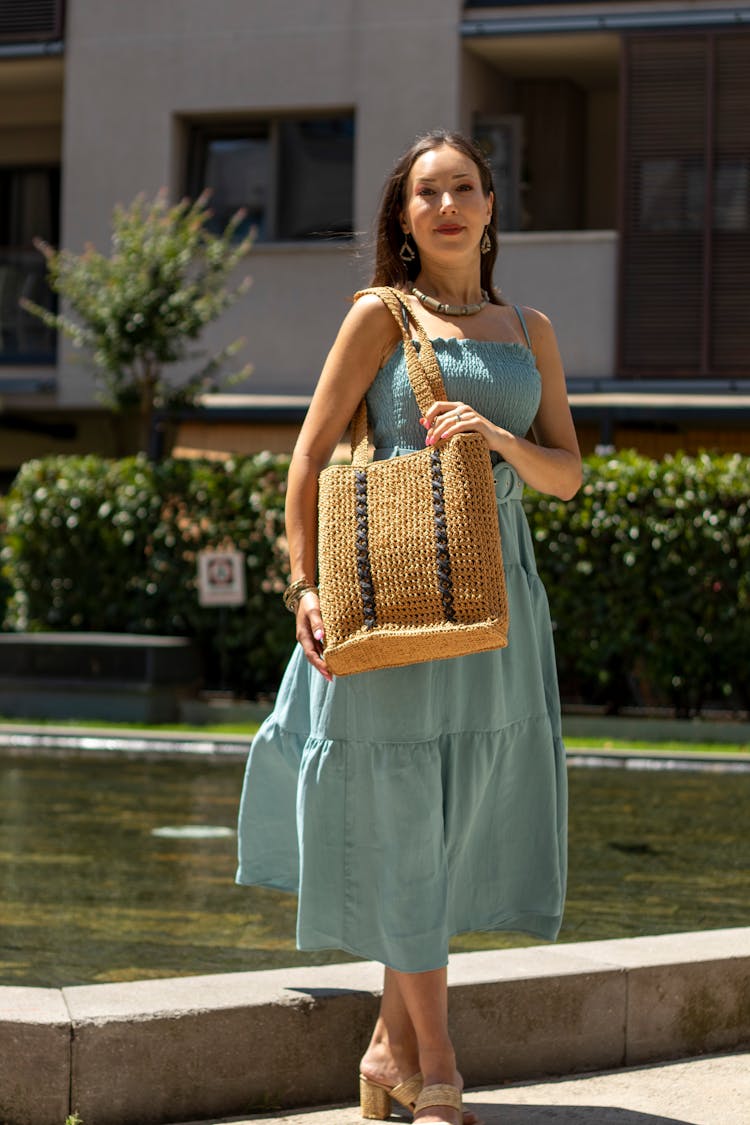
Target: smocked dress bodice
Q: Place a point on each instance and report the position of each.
(498, 380)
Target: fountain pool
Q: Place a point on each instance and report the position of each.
(121, 869)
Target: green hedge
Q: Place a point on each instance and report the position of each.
(648, 573)
(112, 545)
(6, 589)
(647, 569)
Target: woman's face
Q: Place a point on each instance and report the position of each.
(446, 209)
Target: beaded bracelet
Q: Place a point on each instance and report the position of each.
(295, 591)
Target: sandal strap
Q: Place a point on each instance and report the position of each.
(408, 1091)
(439, 1094)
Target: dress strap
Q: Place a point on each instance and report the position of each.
(405, 317)
(520, 316)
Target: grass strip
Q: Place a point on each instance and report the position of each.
(573, 744)
(248, 729)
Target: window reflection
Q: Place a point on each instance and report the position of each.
(731, 182)
(316, 189)
(238, 171)
(672, 195)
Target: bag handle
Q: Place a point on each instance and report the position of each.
(422, 368)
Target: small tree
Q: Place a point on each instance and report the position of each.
(138, 310)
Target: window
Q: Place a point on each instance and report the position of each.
(500, 140)
(731, 195)
(671, 194)
(293, 175)
(29, 208)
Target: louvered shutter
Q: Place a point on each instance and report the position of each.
(730, 251)
(662, 239)
(28, 21)
(685, 257)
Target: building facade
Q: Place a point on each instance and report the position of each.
(617, 131)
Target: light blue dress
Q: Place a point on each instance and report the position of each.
(410, 804)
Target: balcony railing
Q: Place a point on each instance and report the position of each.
(24, 338)
(31, 21)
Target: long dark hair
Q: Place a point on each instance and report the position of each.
(390, 268)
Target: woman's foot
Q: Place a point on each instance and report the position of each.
(440, 1074)
(437, 1111)
(388, 1068)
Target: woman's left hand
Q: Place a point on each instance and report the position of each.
(550, 463)
(446, 419)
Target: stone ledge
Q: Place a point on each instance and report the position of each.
(35, 1056)
(688, 994)
(121, 676)
(150, 1052)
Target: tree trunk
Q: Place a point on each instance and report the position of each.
(148, 391)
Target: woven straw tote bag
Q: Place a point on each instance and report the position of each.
(410, 564)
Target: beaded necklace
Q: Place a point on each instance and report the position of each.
(450, 310)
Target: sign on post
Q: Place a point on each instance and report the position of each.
(221, 578)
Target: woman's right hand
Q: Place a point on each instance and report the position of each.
(311, 633)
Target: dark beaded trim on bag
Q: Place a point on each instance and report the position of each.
(364, 571)
(445, 577)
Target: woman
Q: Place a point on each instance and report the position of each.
(409, 804)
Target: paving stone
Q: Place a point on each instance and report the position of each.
(706, 1091)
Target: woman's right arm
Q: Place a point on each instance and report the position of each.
(365, 338)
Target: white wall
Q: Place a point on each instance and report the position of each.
(132, 70)
(290, 315)
(572, 278)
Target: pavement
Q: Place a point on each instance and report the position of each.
(711, 1090)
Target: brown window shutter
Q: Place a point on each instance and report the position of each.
(685, 260)
(662, 236)
(730, 253)
(30, 20)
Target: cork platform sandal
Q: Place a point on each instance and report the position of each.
(440, 1094)
(375, 1100)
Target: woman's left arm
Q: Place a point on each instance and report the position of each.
(552, 462)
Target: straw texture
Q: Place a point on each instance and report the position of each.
(439, 1094)
(409, 556)
(375, 1100)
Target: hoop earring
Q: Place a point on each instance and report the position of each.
(407, 252)
(485, 245)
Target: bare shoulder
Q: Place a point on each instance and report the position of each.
(370, 325)
(539, 325)
(370, 309)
